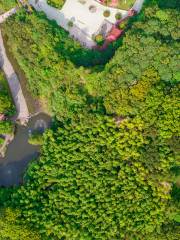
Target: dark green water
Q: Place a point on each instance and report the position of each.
(20, 152)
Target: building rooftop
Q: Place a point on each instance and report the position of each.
(87, 17)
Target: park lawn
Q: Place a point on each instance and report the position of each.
(6, 5)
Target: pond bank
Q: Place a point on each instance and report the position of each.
(20, 152)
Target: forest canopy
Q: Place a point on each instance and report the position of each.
(109, 167)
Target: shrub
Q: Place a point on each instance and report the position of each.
(56, 3)
(118, 16)
(6, 105)
(70, 24)
(99, 39)
(106, 13)
(1, 141)
(6, 127)
(36, 139)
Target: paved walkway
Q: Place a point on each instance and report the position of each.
(14, 84)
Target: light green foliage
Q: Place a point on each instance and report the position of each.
(6, 5)
(6, 127)
(122, 4)
(36, 139)
(96, 181)
(11, 230)
(1, 141)
(56, 3)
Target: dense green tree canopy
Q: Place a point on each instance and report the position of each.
(107, 168)
(11, 230)
(97, 180)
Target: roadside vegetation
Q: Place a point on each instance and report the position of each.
(109, 167)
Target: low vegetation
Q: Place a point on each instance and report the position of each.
(36, 138)
(6, 105)
(6, 127)
(11, 229)
(7, 108)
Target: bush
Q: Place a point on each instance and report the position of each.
(118, 16)
(1, 141)
(122, 25)
(56, 3)
(106, 13)
(6, 127)
(6, 105)
(99, 39)
(70, 24)
(6, 5)
(36, 139)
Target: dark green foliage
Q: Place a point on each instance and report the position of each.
(6, 106)
(56, 3)
(165, 4)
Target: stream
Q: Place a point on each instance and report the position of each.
(20, 152)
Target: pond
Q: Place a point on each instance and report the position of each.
(20, 152)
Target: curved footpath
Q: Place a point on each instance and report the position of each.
(13, 81)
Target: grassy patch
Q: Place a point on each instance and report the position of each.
(36, 138)
(56, 3)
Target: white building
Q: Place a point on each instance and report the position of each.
(83, 19)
